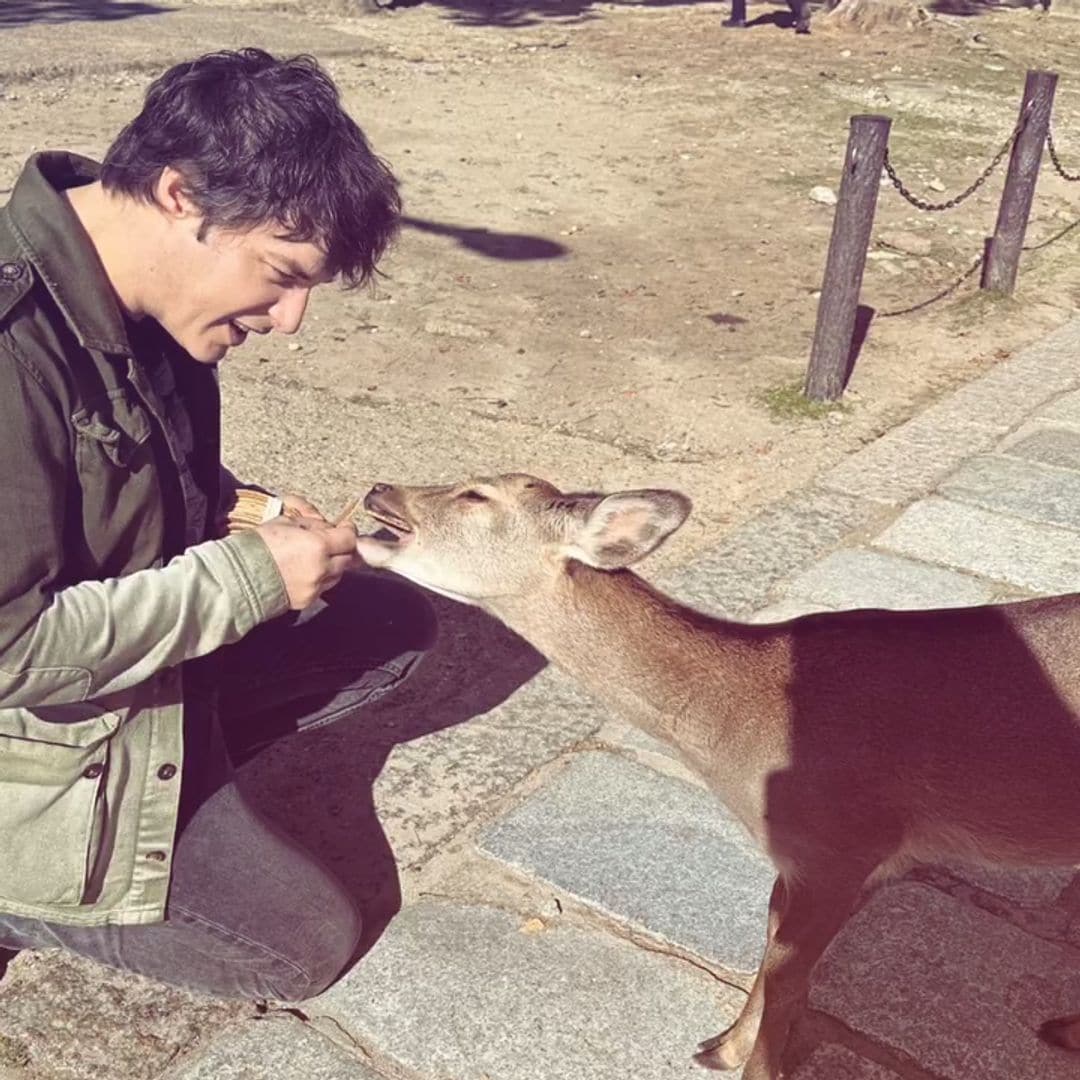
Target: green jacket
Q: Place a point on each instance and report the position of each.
(99, 603)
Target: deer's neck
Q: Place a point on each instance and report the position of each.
(691, 680)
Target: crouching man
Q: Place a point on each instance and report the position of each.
(145, 647)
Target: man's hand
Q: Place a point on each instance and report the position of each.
(298, 506)
(311, 555)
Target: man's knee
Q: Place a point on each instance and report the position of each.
(401, 612)
(329, 936)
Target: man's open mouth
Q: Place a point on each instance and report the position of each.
(244, 328)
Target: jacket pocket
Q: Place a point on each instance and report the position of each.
(114, 427)
(52, 808)
(122, 517)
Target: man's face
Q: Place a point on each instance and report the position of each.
(226, 285)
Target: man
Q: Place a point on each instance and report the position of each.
(139, 635)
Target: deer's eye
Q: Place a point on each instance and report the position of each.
(472, 495)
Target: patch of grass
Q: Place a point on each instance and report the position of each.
(980, 305)
(787, 402)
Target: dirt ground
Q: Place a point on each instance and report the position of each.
(607, 272)
(610, 232)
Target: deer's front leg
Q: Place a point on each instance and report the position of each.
(732, 1047)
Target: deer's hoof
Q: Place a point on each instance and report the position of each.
(722, 1052)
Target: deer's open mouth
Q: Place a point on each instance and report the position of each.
(380, 504)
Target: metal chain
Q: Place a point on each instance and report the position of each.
(979, 180)
(1052, 239)
(1057, 162)
(937, 296)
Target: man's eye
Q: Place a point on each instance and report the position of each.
(472, 495)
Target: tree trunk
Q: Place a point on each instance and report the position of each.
(875, 14)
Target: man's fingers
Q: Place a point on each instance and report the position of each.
(299, 506)
(338, 538)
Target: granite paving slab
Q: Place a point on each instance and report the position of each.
(959, 990)
(647, 849)
(858, 578)
(738, 576)
(1022, 488)
(277, 1045)
(1029, 887)
(462, 993)
(790, 607)
(911, 459)
(1039, 558)
(833, 1062)
(1051, 446)
(1063, 410)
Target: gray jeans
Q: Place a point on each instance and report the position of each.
(250, 913)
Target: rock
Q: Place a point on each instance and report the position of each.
(824, 195)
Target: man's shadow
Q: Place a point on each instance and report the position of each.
(319, 787)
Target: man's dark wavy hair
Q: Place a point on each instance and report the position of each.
(258, 141)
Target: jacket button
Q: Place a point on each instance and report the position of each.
(166, 772)
(156, 856)
(92, 772)
(11, 271)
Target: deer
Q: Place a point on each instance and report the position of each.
(850, 744)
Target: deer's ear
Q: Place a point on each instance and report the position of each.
(622, 528)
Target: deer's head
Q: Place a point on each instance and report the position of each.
(511, 535)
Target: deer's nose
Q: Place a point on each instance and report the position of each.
(372, 497)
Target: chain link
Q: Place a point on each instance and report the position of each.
(1074, 177)
(978, 182)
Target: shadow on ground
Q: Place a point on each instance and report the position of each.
(978, 7)
(22, 12)
(495, 245)
(319, 786)
(517, 13)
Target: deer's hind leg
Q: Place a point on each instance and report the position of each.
(805, 913)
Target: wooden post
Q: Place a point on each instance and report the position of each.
(1003, 249)
(854, 217)
(738, 14)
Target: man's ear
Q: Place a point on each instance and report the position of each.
(622, 528)
(171, 194)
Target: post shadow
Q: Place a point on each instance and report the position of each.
(864, 316)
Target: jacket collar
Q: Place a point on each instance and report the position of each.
(54, 241)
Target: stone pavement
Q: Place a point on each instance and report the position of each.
(574, 904)
(602, 913)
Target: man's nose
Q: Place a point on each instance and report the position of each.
(288, 313)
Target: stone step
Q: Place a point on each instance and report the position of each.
(462, 992)
(650, 851)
